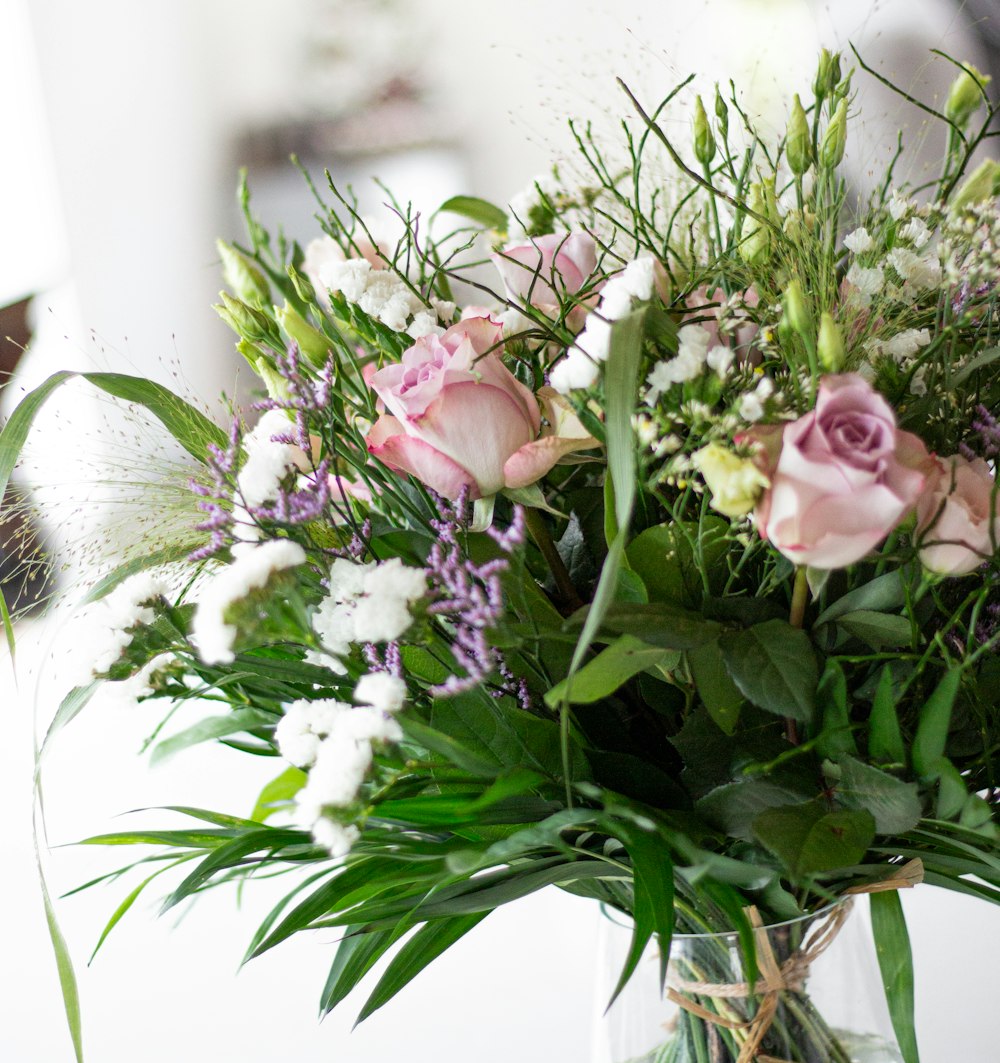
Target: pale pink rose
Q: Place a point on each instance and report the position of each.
(842, 477)
(458, 418)
(956, 516)
(545, 270)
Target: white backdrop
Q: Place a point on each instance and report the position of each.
(139, 102)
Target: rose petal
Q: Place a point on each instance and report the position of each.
(532, 461)
(406, 454)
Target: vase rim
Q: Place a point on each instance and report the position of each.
(625, 921)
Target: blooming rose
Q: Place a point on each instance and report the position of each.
(546, 269)
(457, 417)
(956, 516)
(842, 477)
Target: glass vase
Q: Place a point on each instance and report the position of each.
(818, 997)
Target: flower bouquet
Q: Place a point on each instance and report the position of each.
(640, 540)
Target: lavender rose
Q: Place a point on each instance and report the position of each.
(841, 477)
(957, 515)
(457, 417)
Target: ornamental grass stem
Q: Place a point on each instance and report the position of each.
(796, 615)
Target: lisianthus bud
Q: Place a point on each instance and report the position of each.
(245, 280)
(755, 246)
(304, 288)
(982, 184)
(830, 344)
(796, 310)
(798, 141)
(736, 483)
(246, 321)
(827, 75)
(704, 142)
(831, 148)
(965, 94)
(312, 343)
(721, 113)
(274, 382)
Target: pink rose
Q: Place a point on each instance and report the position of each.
(842, 477)
(457, 417)
(956, 516)
(545, 270)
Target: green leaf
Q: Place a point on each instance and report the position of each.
(621, 374)
(165, 556)
(658, 624)
(611, 668)
(931, 739)
(282, 788)
(719, 694)
(446, 746)
(895, 805)
(478, 210)
(774, 666)
(895, 960)
(426, 945)
(670, 558)
(212, 727)
(64, 965)
(69, 708)
(808, 839)
(734, 807)
(356, 954)
(125, 905)
(981, 361)
(836, 736)
(885, 740)
(882, 594)
(8, 628)
(879, 630)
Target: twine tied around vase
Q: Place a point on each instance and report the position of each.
(776, 978)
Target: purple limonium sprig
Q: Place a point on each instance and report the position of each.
(304, 395)
(391, 661)
(471, 597)
(216, 497)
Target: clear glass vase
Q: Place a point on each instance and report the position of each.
(818, 997)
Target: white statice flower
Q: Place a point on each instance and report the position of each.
(920, 271)
(868, 281)
(898, 205)
(366, 603)
(320, 253)
(645, 430)
(513, 322)
(335, 837)
(349, 276)
(906, 343)
(751, 405)
(267, 462)
(916, 231)
(579, 367)
(110, 628)
(213, 634)
(303, 727)
(918, 385)
(859, 241)
(720, 358)
(381, 691)
(336, 775)
(689, 362)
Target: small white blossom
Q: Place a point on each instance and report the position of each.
(920, 271)
(382, 691)
(304, 725)
(335, 777)
(916, 232)
(267, 462)
(212, 634)
(918, 385)
(751, 405)
(334, 836)
(687, 364)
(720, 358)
(906, 343)
(859, 241)
(117, 615)
(381, 293)
(868, 281)
(526, 201)
(898, 205)
(576, 370)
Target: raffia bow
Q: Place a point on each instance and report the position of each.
(776, 978)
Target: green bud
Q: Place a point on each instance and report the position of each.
(312, 343)
(755, 244)
(704, 142)
(982, 184)
(796, 310)
(965, 95)
(830, 344)
(246, 321)
(831, 148)
(798, 225)
(302, 285)
(798, 139)
(273, 381)
(721, 113)
(827, 75)
(244, 279)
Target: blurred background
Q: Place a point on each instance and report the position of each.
(123, 127)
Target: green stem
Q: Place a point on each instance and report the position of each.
(800, 599)
(543, 540)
